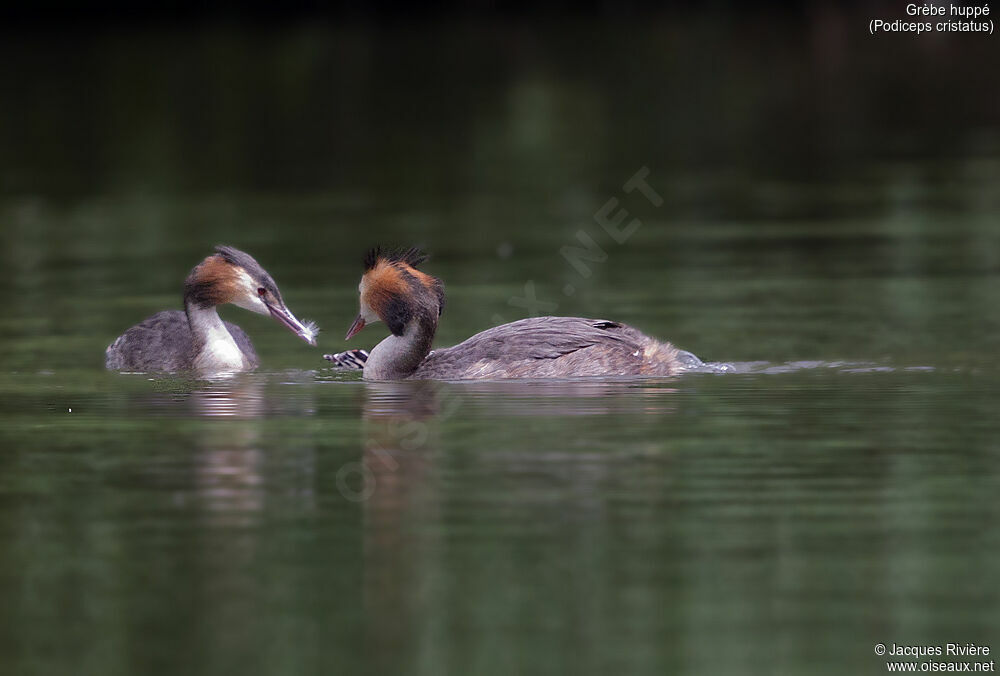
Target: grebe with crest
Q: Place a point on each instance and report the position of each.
(196, 339)
(410, 302)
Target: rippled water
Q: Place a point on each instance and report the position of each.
(836, 490)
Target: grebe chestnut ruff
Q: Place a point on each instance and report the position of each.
(409, 302)
(197, 339)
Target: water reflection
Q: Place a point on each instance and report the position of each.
(224, 422)
(401, 441)
(420, 400)
(243, 396)
(228, 472)
(231, 397)
(402, 422)
(413, 448)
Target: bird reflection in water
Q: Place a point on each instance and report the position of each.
(237, 471)
(231, 468)
(230, 397)
(228, 475)
(404, 491)
(401, 438)
(402, 420)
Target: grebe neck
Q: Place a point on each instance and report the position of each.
(398, 357)
(214, 347)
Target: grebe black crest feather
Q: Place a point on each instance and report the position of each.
(412, 256)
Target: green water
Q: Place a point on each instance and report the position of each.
(828, 226)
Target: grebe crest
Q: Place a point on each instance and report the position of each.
(393, 290)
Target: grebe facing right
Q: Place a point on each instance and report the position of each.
(197, 339)
(409, 302)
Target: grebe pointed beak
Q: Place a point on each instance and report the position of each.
(358, 324)
(282, 315)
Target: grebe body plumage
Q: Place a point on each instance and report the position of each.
(410, 303)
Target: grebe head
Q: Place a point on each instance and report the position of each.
(233, 276)
(394, 291)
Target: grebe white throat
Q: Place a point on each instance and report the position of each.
(217, 351)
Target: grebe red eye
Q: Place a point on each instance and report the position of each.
(262, 292)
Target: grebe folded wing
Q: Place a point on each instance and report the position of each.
(545, 338)
(541, 347)
(244, 343)
(162, 342)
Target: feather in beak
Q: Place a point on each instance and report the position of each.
(306, 331)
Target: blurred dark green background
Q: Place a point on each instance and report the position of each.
(829, 223)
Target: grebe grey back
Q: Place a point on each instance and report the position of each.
(410, 302)
(197, 338)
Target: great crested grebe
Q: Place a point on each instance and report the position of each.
(409, 302)
(197, 339)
